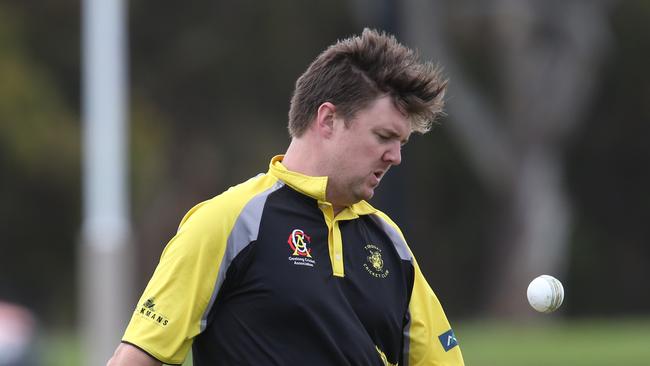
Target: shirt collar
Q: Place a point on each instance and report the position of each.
(313, 187)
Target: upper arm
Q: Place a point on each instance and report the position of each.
(128, 355)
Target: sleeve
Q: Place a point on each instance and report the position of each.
(429, 339)
(172, 306)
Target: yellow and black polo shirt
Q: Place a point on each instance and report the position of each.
(264, 274)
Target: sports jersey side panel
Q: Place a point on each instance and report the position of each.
(426, 320)
(169, 313)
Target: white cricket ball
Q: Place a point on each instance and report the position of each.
(545, 294)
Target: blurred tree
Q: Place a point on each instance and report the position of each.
(609, 178)
(39, 155)
(39, 161)
(543, 58)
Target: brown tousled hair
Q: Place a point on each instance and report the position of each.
(354, 72)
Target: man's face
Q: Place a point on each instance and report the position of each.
(362, 153)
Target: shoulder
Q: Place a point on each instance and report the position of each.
(226, 207)
(206, 228)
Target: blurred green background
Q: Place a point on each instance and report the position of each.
(540, 166)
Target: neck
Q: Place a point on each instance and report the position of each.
(306, 157)
(303, 158)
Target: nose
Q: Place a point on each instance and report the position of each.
(394, 154)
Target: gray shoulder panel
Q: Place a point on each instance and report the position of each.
(242, 234)
(395, 237)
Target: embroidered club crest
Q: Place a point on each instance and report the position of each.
(374, 262)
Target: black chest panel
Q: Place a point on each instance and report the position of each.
(281, 305)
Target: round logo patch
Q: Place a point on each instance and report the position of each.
(374, 262)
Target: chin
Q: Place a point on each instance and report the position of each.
(363, 193)
(367, 195)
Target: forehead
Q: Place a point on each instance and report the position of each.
(382, 113)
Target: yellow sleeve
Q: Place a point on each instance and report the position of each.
(174, 304)
(430, 339)
(169, 311)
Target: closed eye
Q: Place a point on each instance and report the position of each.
(384, 137)
(388, 138)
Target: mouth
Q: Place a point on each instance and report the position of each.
(378, 174)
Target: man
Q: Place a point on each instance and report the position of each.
(294, 267)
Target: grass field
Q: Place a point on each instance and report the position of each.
(572, 343)
(611, 342)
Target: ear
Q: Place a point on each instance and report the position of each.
(325, 119)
